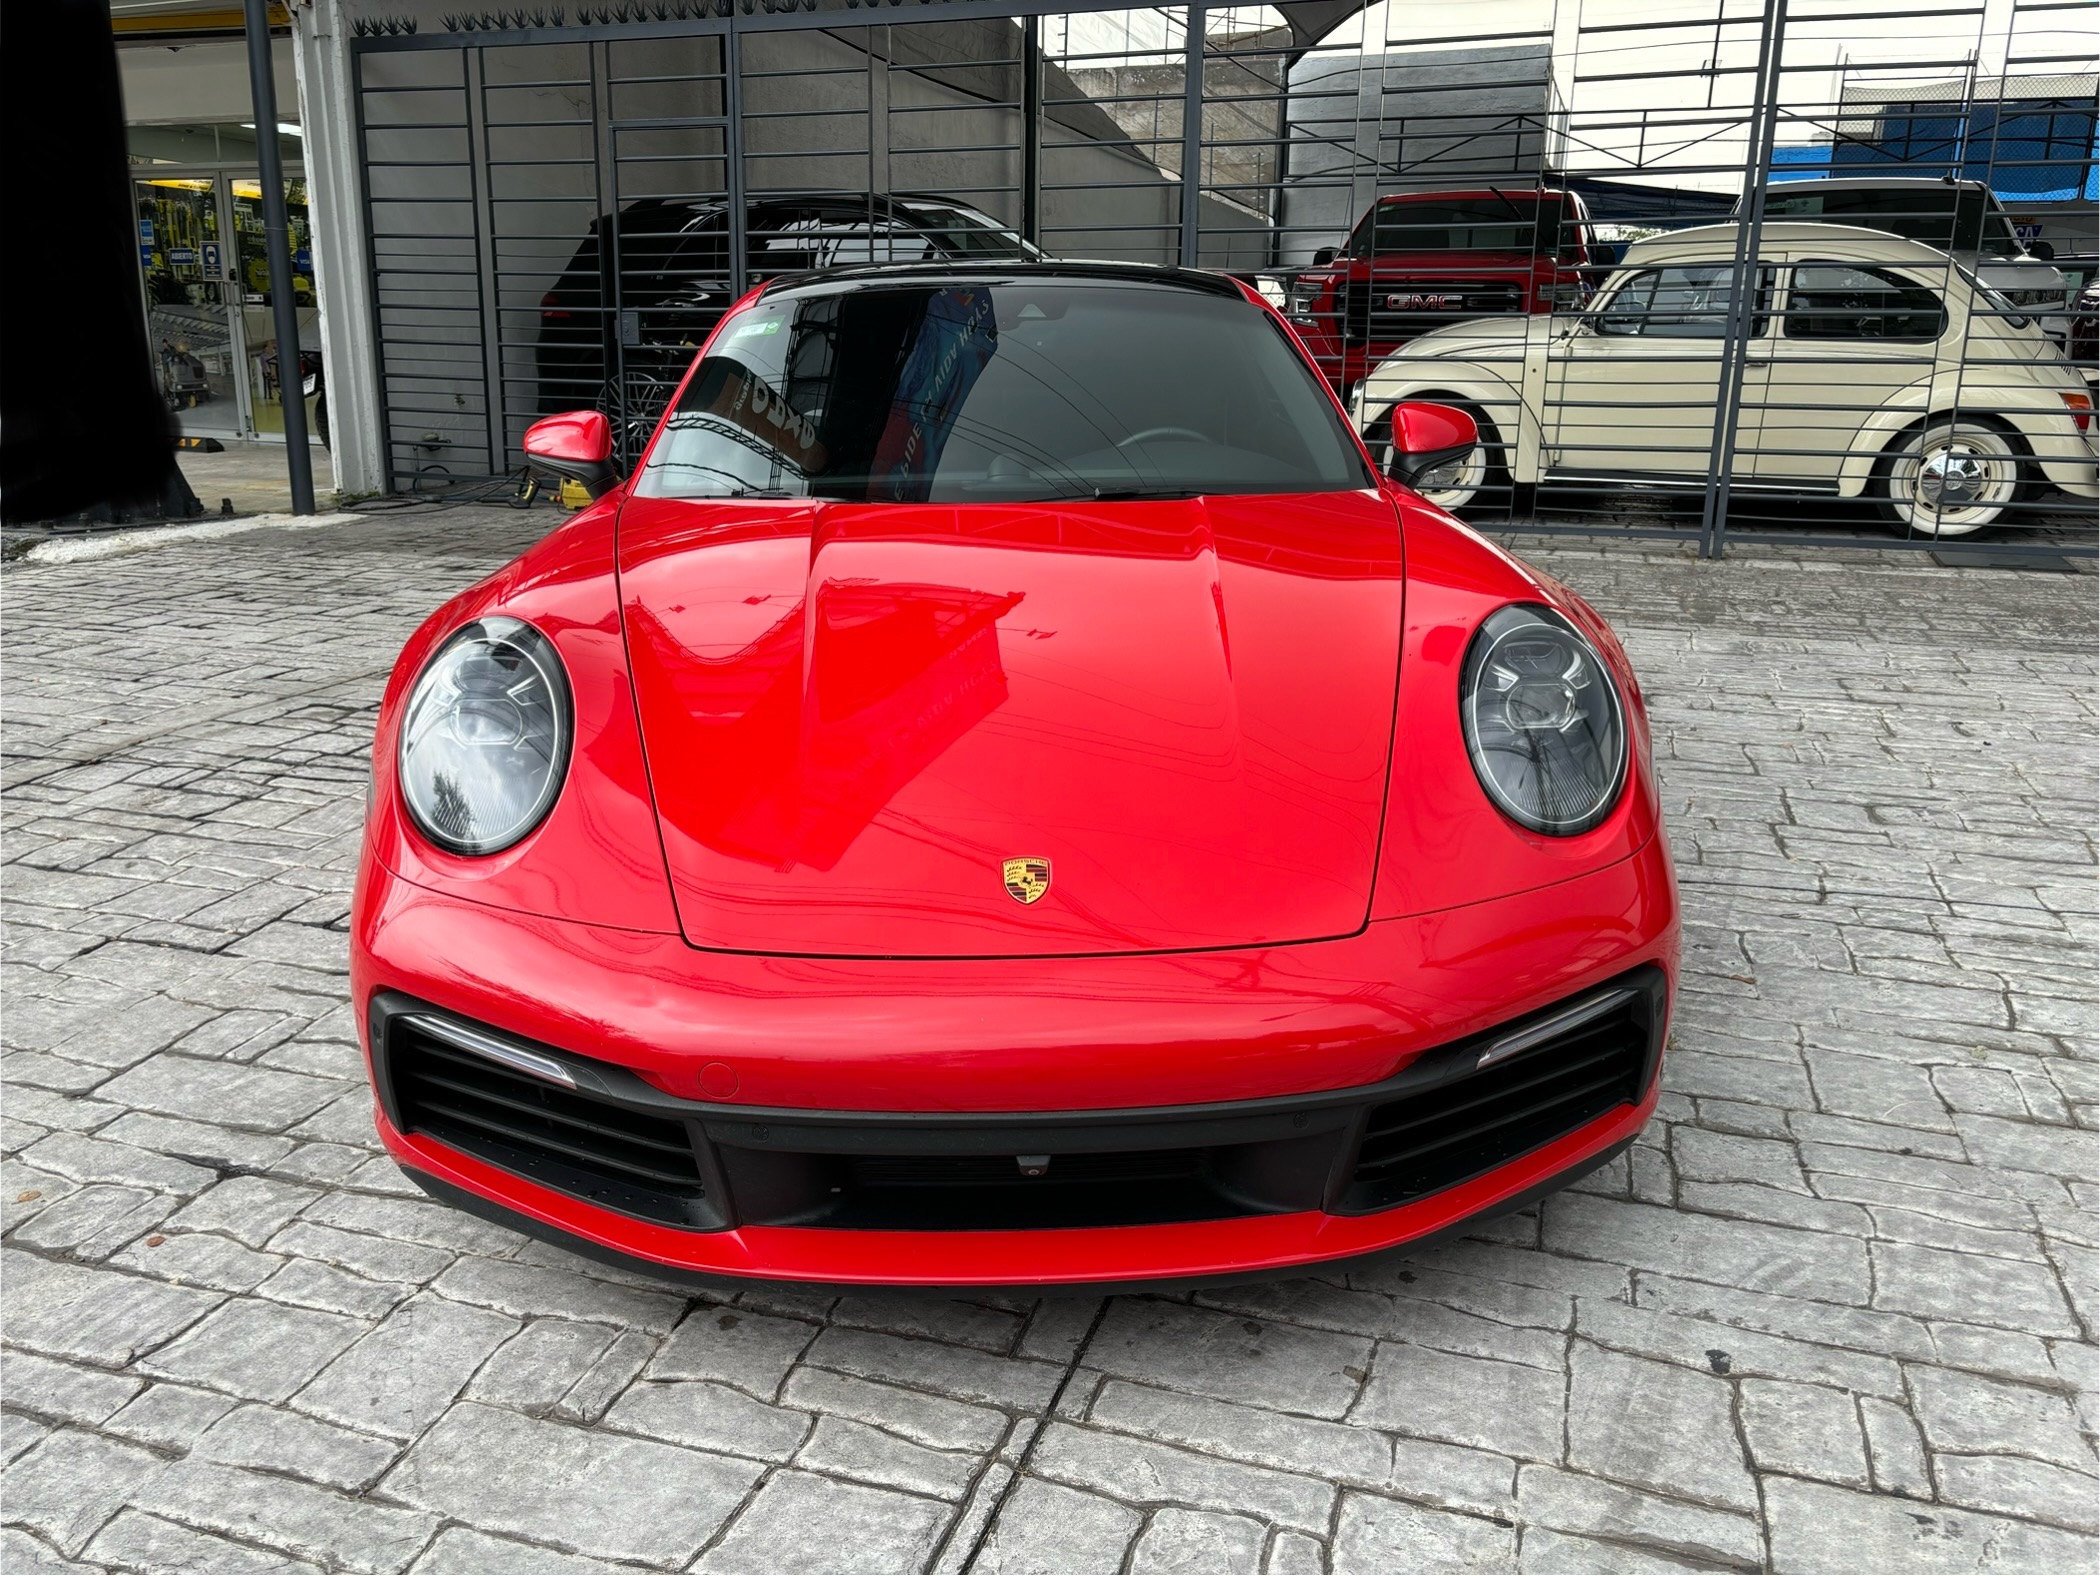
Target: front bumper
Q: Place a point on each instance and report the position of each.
(797, 1076)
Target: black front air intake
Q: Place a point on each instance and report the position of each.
(599, 1132)
(1423, 1143)
(611, 1155)
(993, 1192)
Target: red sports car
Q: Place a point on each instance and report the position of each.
(1006, 793)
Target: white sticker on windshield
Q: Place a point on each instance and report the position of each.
(770, 325)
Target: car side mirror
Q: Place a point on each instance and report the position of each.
(1426, 436)
(574, 446)
(1323, 257)
(1606, 254)
(2041, 251)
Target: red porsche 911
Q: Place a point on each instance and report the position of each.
(1006, 794)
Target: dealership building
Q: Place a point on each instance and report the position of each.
(447, 170)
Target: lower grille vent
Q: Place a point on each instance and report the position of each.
(1437, 1139)
(620, 1158)
(966, 1171)
(960, 1192)
(620, 1142)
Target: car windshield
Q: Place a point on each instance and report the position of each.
(1492, 223)
(1011, 390)
(962, 232)
(1926, 214)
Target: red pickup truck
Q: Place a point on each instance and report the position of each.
(1419, 260)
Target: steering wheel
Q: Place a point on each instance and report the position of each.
(1151, 433)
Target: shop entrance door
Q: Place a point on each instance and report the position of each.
(267, 374)
(190, 329)
(206, 275)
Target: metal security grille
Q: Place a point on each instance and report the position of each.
(1628, 239)
(426, 249)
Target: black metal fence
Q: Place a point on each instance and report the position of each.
(1777, 272)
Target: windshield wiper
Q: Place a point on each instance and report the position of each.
(1123, 494)
(1515, 211)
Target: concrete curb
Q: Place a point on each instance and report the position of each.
(80, 549)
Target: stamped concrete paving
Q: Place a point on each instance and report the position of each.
(1836, 1311)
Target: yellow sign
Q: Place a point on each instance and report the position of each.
(178, 18)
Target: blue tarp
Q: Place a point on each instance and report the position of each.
(2031, 150)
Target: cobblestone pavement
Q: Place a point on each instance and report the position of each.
(1836, 1313)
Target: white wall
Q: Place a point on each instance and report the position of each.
(1609, 81)
(1365, 125)
(195, 84)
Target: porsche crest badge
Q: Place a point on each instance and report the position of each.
(1026, 879)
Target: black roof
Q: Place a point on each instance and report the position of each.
(1002, 268)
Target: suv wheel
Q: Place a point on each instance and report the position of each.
(633, 411)
(1948, 477)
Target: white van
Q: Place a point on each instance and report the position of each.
(1961, 218)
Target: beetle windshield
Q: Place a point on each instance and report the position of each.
(1014, 390)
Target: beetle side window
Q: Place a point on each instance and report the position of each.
(1689, 301)
(1835, 301)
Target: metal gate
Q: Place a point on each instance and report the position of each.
(1628, 240)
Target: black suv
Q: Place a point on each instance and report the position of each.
(620, 344)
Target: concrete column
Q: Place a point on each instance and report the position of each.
(342, 267)
(1561, 68)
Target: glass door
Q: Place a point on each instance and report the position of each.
(205, 268)
(191, 330)
(269, 374)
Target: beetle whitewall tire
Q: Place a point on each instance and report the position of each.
(1948, 477)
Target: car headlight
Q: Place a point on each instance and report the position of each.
(1543, 722)
(485, 737)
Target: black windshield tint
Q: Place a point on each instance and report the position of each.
(1002, 392)
(1476, 224)
(1953, 219)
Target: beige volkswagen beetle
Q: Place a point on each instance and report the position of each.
(1877, 367)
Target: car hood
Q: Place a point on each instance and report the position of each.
(1468, 338)
(1462, 264)
(1177, 715)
